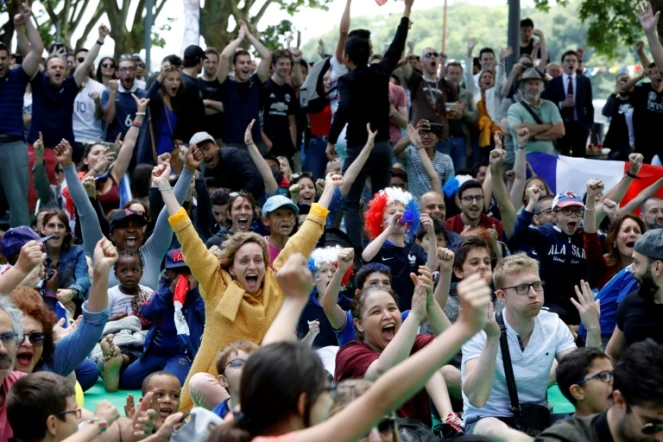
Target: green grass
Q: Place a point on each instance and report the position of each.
(97, 394)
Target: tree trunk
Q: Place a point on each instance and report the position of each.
(129, 42)
(214, 23)
(7, 30)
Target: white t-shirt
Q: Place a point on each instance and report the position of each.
(531, 368)
(118, 302)
(87, 129)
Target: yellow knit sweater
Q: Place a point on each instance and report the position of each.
(230, 312)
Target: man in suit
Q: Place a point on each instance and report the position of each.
(572, 93)
(364, 99)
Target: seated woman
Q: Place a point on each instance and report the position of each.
(41, 349)
(239, 289)
(68, 259)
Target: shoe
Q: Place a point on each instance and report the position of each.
(454, 421)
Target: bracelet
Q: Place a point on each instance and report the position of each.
(589, 210)
(165, 190)
(522, 147)
(100, 422)
(137, 124)
(631, 174)
(140, 114)
(100, 43)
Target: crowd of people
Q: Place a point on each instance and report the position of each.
(350, 248)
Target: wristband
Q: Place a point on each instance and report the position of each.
(100, 43)
(631, 174)
(140, 114)
(99, 422)
(137, 124)
(165, 190)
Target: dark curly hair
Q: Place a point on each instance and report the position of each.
(31, 304)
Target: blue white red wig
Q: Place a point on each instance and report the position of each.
(328, 255)
(374, 217)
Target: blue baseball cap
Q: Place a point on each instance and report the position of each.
(275, 202)
(17, 237)
(175, 259)
(567, 199)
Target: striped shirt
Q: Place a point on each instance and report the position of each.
(418, 181)
(12, 88)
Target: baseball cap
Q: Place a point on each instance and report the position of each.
(194, 53)
(126, 215)
(275, 202)
(650, 244)
(175, 259)
(17, 237)
(199, 137)
(567, 199)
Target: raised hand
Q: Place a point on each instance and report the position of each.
(640, 46)
(491, 328)
(243, 30)
(113, 85)
(505, 53)
(105, 255)
(106, 411)
(51, 284)
(194, 156)
(130, 407)
(497, 138)
(334, 180)
(419, 299)
(646, 16)
(424, 281)
(471, 43)
(538, 33)
(141, 103)
(90, 186)
(64, 295)
(38, 146)
(371, 135)
(427, 222)
(248, 135)
(294, 278)
(59, 332)
(445, 259)
(588, 308)
(345, 259)
(635, 161)
(314, 327)
(497, 157)
(160, 175)
(163, 158)
(594, 188)
(103, 32)
(330, 151)
(31, 255)
(533, 193)
(63, 153)
(475, 298)
(610, 209)
(415, 138)
(143, 420)
(19, 21)
(523, 136)
(296, 55)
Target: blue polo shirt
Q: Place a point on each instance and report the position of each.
(241, 104)
(12, 88)
(52, 110)
(125, 111)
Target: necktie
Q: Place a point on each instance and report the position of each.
(569, 113)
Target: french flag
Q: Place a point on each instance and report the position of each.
(564, 173)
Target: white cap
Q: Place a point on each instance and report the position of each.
(199, 137)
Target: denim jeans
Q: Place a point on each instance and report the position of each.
(14, 180)
(456, 148)
(378, 168)
(315, 158)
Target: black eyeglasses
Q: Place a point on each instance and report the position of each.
(80, 59)
(605, 376)
(108, 65)
(567, 211)
(431, 55)
(523, 289)
(127, 69)
(470, 198)
(648, 428)
(36, 338)
(9, 339)
(543, 211)
(77, 413)
(141, 65)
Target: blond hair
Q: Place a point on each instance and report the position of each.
(514, 264)
(235, 242)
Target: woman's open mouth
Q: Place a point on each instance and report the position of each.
(24, 359)
(252, 280)
(389, 331)
(131, 241)
(243, 222)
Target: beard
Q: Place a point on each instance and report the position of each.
(647, 286)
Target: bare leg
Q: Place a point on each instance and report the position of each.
(206, 391)
(498, 431)
(112, 363)
(453, 380)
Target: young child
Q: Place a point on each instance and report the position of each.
(323, 264)
(279, 215)
(169, 346)
(392, 242)
(585, 379)
(229, 364)
(441, 235)
(126, 298)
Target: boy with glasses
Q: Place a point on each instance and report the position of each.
(535, 339)
(585, 378)
(637, 410)
(559, 246)
(471, 199)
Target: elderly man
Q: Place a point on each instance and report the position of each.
(540, 117)
(11, 334)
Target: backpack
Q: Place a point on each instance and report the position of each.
(312, 96)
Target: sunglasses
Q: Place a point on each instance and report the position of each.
(141, 65)
(108, 65)
(431, 55)
(36, 338)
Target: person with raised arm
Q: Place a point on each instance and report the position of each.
(649, 21)
(125, 226)
(239, 289)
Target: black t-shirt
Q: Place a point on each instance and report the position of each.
(647, 120)
(617, 136)
(191, 116)
(639, 319)
(530, 48)
(211, 90)
(241, 104)
(278, 102)
(402, 261)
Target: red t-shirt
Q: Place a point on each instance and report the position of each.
(321, 122)
(5, 430)
(456, 224)
(354, 358)
(397, 98)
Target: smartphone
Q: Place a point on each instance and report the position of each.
(437, 128)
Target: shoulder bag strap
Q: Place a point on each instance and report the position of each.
(154, 146)
(531, 112)
(508, 368)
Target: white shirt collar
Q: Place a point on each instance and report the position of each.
(132, 90)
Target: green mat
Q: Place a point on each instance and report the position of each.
(97, 394)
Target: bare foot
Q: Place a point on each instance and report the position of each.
(112, 363)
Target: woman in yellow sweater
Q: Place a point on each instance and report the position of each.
(240, 291)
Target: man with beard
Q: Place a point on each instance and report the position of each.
(211, 89)
(470, 195)
(430, 94)
(11, 334)
(639, 314)
(13, 82)
(651, 212)
(535, 339)
(540, 117)
(647, 101)
(637, 410)
(119, 106)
